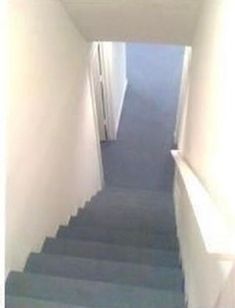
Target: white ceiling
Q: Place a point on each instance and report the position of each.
(165, 21)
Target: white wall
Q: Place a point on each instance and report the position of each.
(209, 146)
(53, 157)
(164, 21)
(227, 297)
(3, 83)
(114, 55)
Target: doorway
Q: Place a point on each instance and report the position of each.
(140, 157)
(98, 79)
(109, 80)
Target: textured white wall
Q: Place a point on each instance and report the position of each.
(161, 21)
(53, 159)
(115, 67)
(209, 146)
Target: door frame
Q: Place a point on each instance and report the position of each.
(106, 84)
(97, 81)
(108, 97)
(94, 111)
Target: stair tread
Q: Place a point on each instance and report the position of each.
(27, 302)
(156, 194)
(103, 270)
(113, 252)
(121, 237)
(90, 293)
(134, 206)
(121, 251)
(127, 218)
(140, 201)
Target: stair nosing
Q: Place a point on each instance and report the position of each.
(123, 286)
(90, 242)
(44, 254)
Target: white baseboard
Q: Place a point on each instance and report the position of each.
(120, 109)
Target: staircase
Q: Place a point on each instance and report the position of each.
(120, 251)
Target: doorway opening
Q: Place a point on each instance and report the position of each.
(140, 89)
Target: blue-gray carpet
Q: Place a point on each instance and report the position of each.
(140, 157)
(120, 251)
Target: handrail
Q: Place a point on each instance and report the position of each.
(218, 239)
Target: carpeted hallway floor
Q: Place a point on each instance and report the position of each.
(140, 158)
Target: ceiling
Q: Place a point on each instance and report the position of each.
(163, 21)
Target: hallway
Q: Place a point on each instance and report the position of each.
(140, 157)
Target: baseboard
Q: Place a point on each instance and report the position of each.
(120, 109)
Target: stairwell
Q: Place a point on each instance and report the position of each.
(119, 251)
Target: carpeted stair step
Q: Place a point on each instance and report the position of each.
(144, 199)
(130, 210)
(126, 207)
(107, 271)
(102, 251)
(90, 293)
(132, 191)
(130, 204)
(26, 302)
(120, 237)
(127, 218)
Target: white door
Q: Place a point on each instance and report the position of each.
(98, 88)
